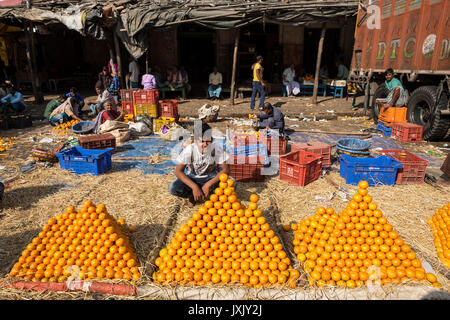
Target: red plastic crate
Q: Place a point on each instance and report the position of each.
(145, 96)
(98, 141)
(168, 109)
(300, 168)
(317, 148)
(281, 146)
(246, 169)
(128, 107)
(126, 95)
(414, 167)
(407, 132)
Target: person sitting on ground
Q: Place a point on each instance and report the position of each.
(176, 80)
(149, 80)
(73, 92)
(103, 96)
(105, 78)
(202, 158)
(215, 84)
(53, 104)
(292, 87)
(396, 96)
(342, 70)
(185, 77)
(13, 100)
(133, 74)
(66, 111)
(110, 113)
(271, 118)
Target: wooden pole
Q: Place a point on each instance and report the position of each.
(146, 62)
(119, 60)
(233, 72)
(319, 59)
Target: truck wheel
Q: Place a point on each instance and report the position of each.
(381, 92)
(422, 111)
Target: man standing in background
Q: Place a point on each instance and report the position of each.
(133, 74)
(258, 83)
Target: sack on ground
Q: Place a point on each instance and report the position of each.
(139, 129)
(122, 135)
(110, 125)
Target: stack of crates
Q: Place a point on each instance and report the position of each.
(146, 102)
(168, 109)
(391, 115)
(126, 97)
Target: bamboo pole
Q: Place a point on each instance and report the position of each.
(233, 72)
(319, 59)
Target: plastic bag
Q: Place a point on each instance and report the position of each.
(139, 129)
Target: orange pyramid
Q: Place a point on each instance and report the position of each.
(225, 242)
(88, 243)
(355, 246)
(440, 224)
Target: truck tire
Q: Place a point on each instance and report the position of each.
(381, 92)
(422, 111)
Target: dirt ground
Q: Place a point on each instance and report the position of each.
(144, 201)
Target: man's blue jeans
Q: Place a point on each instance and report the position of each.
(214, 92)
(257, 87)
(180, 189)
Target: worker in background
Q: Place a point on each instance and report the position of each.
(66, 111)
(292, 86)
(258, 83)
(149, 80)
(202, 158)
(342, 70)
(79, 100)
(53, 104)
(396, 96)
(215, 84)
(271, 118)
(13, 100)
(133, 74)
(103, 96)
(105, 78)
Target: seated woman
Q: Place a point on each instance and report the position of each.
(110, 113)
(66, 111)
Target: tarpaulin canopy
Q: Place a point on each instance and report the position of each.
(131, 18)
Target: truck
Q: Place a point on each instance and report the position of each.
(413, 38)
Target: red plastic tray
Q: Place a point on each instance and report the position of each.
(145, 96)
(414, 167)
(168, 109)
(300, 167)
(246, 169)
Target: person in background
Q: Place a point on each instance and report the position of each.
(110, 113)
(73, 92)
(202, 158)
(133, 74)
(342, 70)
(53, 104)
(185, 77)
(149, 80)
(215, 84)
(396, 96)
(103, 96)
(64, 112)
(105, 78)
(13, 100)
(176, 79)
(323, 72)
(112, 67)
(158, 77)
(271, 118)
(292, 86)
(258, 83)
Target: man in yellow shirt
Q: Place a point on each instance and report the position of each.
(258, 83)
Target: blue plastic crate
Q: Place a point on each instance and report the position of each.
(376, 171)
(387, 131)
(80, 160)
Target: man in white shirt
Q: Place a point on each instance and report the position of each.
(202, 177)
(103, 96)
(133, 74)
(292, 87)
(215, 84)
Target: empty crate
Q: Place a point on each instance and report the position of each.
(407, 132)
(414, 167)
(300, 167)
(98, 141)
(316, 147)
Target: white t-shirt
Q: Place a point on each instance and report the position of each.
(133, 68)
(215, 79)
(289, 74)
(201, 165)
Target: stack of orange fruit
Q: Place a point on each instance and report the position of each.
(355, 246)
(63, 127)
(440, 224)
(226, 242)
(87, 242)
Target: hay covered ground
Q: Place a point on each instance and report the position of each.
(144, 201)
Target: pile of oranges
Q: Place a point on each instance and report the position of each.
(63, 127)
(88, 243)
(6, 143)
(226, 242)
(355, 246)
(440, 224)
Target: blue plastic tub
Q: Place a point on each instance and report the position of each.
(81, 161)
(376, 171)
(352, 144)
(83, 127)
(387, 131)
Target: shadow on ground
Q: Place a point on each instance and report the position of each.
(25, 197)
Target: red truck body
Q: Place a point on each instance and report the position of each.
(414, 36)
